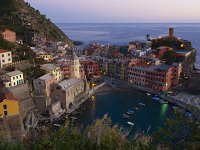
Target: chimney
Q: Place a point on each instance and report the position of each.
(171, 33)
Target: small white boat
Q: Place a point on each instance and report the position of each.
(148, 94)
(136, 108)
(130, 123)
(142, 104)
(130, 112)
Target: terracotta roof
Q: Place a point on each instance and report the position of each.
(3, 51)
(7, 95)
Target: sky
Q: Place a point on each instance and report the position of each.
(119, 11)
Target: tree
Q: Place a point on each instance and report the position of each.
(170, 57)
(179, 133)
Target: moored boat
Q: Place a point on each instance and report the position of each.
(142, 104)
(130, 123)
(148, 94)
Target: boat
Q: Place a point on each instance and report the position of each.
(136, 108)
(142, 104)
(125, 116)
(130, 112)
(130, 123)
(148, 94)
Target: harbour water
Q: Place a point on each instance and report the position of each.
(122, 33)
(117, 103)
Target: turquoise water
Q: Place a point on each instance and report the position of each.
(114, 104)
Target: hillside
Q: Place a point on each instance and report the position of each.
(20, 17)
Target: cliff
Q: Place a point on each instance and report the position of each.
(20, 17)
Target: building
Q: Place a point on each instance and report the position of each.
(161, 51)
(18, 112)
(9, 105)
(9, 35)
(74, 66)
(42, 91)
(46, 57)
(5, 57)
(54, 70)
(69, 92)
(13, 78)
(156, 77)
(43, 85)
(91, 68)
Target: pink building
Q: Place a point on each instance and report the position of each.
(9, 35)
(161, 51)
(157, 77)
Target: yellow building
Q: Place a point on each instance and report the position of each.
(46, 57)
(9, 106)
(54, 70)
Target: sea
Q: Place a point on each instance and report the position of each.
(146, 118)
(123, 33)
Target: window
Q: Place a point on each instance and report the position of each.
(3, 60)
(13, 78)
(4, 106)
(8, 54)
(20, 76)
(17, 77)
(13, 83)
(2, 55)
(9, 59)
(5, 113)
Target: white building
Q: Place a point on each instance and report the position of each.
(74, 67)
(5, 57)
(69, 92)
(13, 78)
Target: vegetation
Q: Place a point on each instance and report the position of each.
(170, 57)
(20, 17)
(33, 73)
(6, 45)
(179, 133)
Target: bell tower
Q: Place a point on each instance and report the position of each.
(74, 66)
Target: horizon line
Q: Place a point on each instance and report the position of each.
(128, 22)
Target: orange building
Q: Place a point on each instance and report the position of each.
(9, 35)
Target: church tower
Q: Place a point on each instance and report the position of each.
(74, 66)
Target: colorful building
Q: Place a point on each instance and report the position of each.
(54, 70)
(156, 77)
(9, 105)
(46, 57)
(9, 35)
(5, 57)
(13, 78)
